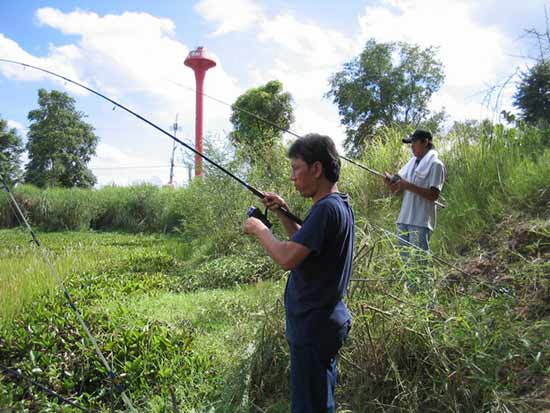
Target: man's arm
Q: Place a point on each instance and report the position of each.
(431, 194)
(274, 202)
(287, 254)
(434, 183)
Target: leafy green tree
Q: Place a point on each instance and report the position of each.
(387, 84)
(254, 137)
(532, 97)
(60, 144)
(472, 130)
(11, 148)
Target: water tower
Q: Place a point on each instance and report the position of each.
(199, 61)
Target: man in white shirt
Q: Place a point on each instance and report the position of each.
(421, 181)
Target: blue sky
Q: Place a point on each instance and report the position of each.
(133, 51)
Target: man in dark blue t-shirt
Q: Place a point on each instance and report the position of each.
(319, 255)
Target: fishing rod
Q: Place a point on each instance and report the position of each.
(22, 218)
(255, 191)
(393, 178)
(17, 375)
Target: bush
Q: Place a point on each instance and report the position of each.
(226, 272)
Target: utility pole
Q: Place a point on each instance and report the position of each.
(175, 129)
(188, 163)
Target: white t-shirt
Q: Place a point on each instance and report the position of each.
(416, 210)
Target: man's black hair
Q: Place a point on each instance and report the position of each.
(314, 147)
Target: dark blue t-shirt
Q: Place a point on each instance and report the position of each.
(316, 287)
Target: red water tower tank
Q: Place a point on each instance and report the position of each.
(199, 61)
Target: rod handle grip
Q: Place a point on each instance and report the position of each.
(290, 215)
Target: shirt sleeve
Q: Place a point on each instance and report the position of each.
(314, 229)
(436, 176)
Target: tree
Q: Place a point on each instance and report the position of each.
(60, 144)
(387, 84)
(253, 136)
(472, 130)
(11, 148)
(532, 97)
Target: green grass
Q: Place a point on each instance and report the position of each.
(197, 313)
(467, 345)
(134, 293)
(461, 344)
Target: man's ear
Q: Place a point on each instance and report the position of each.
(317, 169)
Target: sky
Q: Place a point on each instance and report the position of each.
(133, 52)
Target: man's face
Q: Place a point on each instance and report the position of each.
(419, 147)
(304, 177)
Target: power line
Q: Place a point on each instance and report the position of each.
(133, 167)
(246, 185)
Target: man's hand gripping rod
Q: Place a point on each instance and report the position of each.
(393, 179)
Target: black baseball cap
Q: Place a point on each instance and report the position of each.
(423, 134)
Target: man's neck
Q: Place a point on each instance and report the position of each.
(324, 190)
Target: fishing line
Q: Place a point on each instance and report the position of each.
(114, 378)
(242, 182)
(206, 158)
(366, 168)
(290, 132)
(427, 252)
(254, 115)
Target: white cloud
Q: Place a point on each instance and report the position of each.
(473, 56)
(230, 15)
(469, 52)
(12, 124)
(137, 53)
(111, 165)
(308, 42)
(135, 59)
(60, 60)
(304, 55)
(128, 52)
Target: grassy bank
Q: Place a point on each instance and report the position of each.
(188, 309)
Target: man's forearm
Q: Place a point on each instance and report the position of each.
(289, 225)
(287, 254)
(431, 194)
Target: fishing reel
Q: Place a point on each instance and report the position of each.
(256, 213)
(395, 178)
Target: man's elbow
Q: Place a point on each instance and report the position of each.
(293, 255)
(287, 264)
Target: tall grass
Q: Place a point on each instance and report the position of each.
(24, 274)
(489, 173)
(475, 343)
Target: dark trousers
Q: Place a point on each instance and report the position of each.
(313, 372)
